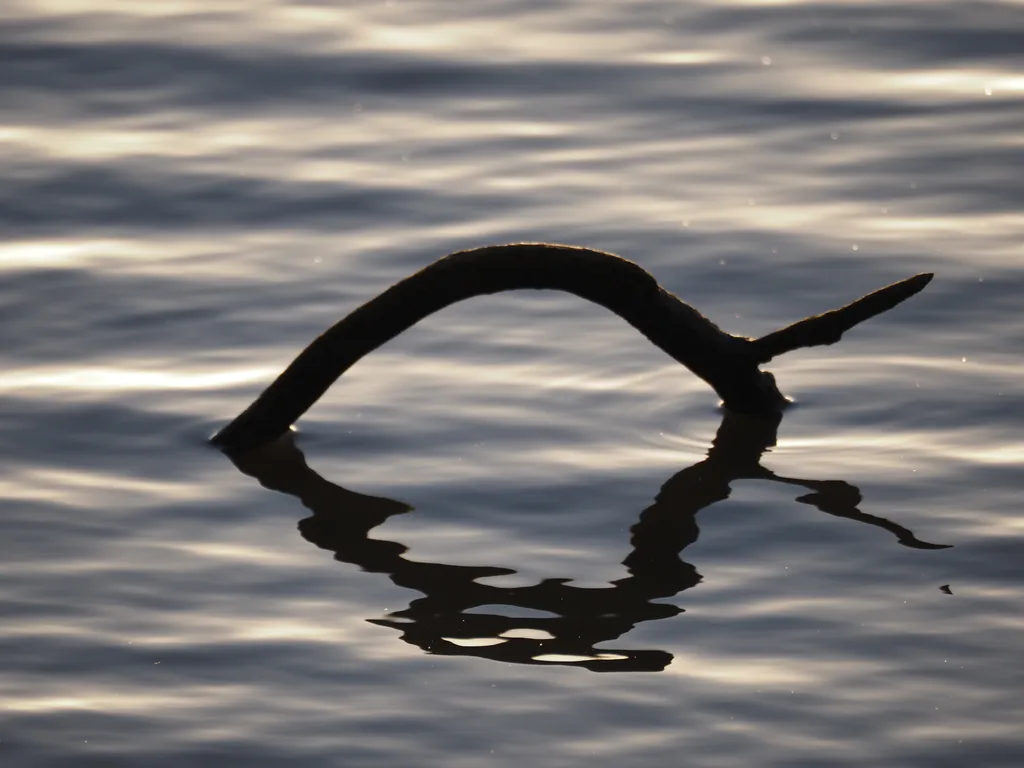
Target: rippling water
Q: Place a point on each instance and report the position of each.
(193, 190)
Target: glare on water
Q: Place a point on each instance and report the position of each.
(520, 491)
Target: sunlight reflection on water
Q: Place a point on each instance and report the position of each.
(193, 191)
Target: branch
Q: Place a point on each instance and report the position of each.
(829, 327)
(728, 363)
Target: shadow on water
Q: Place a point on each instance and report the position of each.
(581, 617)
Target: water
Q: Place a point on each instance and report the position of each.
(192, 191)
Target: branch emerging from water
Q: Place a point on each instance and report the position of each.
(728, 363)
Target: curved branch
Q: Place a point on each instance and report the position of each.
(728, 363)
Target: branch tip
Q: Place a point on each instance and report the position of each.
(828, 328)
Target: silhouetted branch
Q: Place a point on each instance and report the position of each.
(828, 328)
(728, 363)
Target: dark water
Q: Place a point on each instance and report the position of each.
(193, 191)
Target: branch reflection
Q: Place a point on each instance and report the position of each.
(580, 618)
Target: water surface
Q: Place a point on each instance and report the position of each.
(440, 567)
